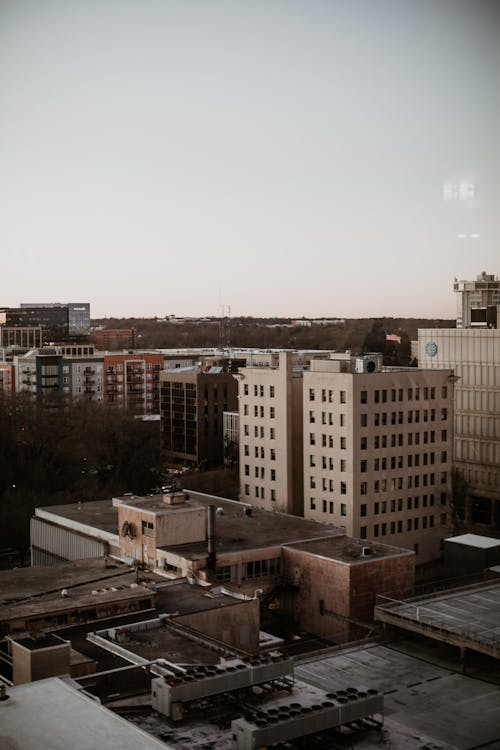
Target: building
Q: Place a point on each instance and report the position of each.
(270, 405)
(133, 381)
(193, 401)
(231, 437)
(7, 379)
(324, 581)
(59, 322)
(20, 337)
(378, 451)
(72, 370)
(473, 352)
(113, 339)
(478, 302)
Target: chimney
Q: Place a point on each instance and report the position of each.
(211, 538)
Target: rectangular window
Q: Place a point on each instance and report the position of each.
(363, 509)
(343, 509)
(272, 412)
(343, 488)
(311, 394)
(363, 397)
(271, 391)
(342, 397)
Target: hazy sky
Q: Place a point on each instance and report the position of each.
(295, 157)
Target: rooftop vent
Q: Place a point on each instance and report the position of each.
(175, 498)
(366, 552)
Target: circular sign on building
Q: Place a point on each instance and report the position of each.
(431, 348)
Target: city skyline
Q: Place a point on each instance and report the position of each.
(286, 159)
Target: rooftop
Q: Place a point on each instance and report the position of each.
(467, 617)
(347, 550)
(475, 540)
(53, 713)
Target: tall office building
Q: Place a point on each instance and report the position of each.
(270, 406)
(192, 404)
(59, 322)
(378, 451)
(349, 443)
(478, 302)
(473, 352)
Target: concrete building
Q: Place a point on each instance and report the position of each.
(20, 337)
(378, 451)
(193, 401)
(270, 405)
(474, 355)
(324, 581)
(478, 302)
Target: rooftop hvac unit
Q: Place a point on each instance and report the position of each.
(368, 363)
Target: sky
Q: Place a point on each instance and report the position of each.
(276, 157)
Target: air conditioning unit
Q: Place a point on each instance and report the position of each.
(368, 363)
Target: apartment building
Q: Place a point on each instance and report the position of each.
(133, 381)
(270, 405)
(192, 405)
(378, 451)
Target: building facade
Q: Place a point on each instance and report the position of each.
(133, 381)
(478, 302)
(59, 322)
(378, 451)
(474, 356)
(270, 405)
(192, 405)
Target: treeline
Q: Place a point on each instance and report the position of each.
(64, 451)
(357, 334)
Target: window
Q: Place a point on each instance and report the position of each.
(363, 397)
(261, 390)
(364, 444)
(342, 397)
(362, 532)
(444, 413)
(312, 503)
(273, 454)
(256, 451)
(255, 390)
(271, 391)
(311, 394)
(312, 460)
(312, 438)
(342, 420)
(362, 509)
(272, 412)
(343, 509)
(343, 489)
(247, 489)
(364, 488)
(364, 420)
(247, 450)
(324, 506)
(312, 418)
(375, 530)
(343, 443)
(343, 464)
(273, 495)
(245, 410)
(247, 470)
(444, 392)
(272, 433)
(245, 430)
(363, 466)
(273, 475)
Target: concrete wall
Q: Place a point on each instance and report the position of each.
(237, 625)
(29, 665)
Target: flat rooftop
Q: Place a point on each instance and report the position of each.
(423, 703)
(52, 714)
(475, 540)
(30, 591)
(346, 550)
(236, 531)
(468, 617)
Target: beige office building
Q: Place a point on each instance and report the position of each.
(474, 355)
(377, 451)
(270, 406)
